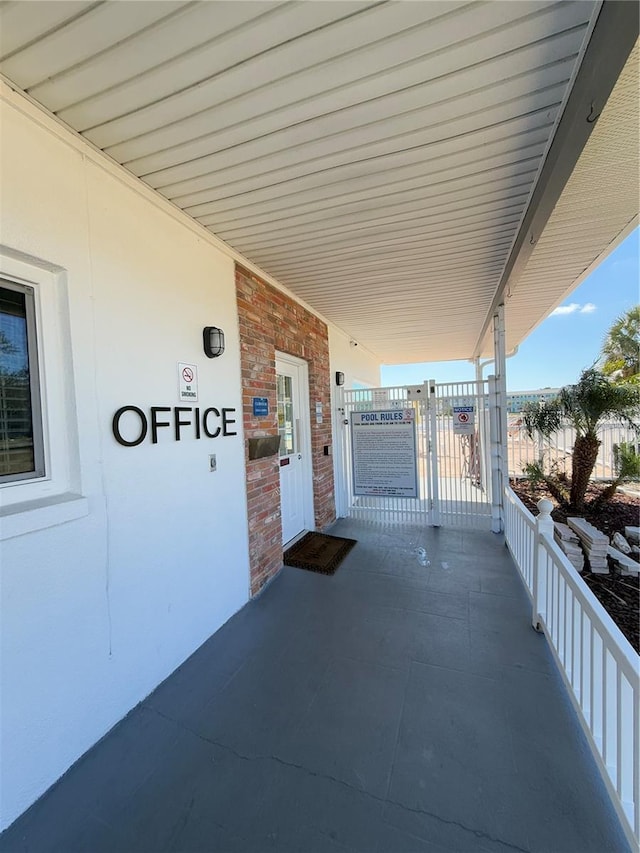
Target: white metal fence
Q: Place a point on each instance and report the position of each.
(598, 665)
(556, 451)
(462, 476)
(379, 508)
(453, 470)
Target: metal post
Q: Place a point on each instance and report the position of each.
(544, 524)
(426, 450)
(501, 402)
(433, 453)
(494, 431)
(340, 462)
(478, 369)
(482, 429)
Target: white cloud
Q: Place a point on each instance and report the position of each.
(572, 308)
(565, 309)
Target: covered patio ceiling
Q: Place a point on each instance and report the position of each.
(402, 167)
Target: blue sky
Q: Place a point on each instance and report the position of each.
(565, 343)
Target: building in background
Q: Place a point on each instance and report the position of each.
(517, 400)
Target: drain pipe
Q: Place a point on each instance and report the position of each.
(480, 365)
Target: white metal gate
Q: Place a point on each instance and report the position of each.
(453, 470)
(462, 461)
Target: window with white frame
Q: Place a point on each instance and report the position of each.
(40, 473)
(21, 438)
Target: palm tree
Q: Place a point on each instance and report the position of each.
(584, 406)
(626, 466)
(621, 349)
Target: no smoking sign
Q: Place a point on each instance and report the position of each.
(187, 382)
(463, 420)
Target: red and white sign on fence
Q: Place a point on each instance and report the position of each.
(464, 420)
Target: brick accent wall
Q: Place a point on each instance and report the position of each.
(270, 321)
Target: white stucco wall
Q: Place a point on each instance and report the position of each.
(102, 598)
(358, 365)
(356, 362)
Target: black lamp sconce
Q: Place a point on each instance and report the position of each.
(213, 340)
(339, 377)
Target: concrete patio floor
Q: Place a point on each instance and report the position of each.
(391, 708)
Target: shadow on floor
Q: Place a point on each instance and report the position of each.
(391, 708)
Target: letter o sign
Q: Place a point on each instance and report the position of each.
(115, 425)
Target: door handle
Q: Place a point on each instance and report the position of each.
(297, 427)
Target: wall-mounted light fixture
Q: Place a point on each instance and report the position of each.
(213, 340)
(339, 377)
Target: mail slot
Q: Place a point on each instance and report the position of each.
(284, 461)
(265, 445)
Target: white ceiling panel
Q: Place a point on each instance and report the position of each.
(97, 29)
(419, 150)
(344, 80)
(379, 159)
(224, 70)
(408, 195)
(402, 98)
(419, 189)
(21, 24)
(379, 221)
(395, 136)
(339, 165)
(346, 129)
(371, 257)
(309, 96)
(193, 26)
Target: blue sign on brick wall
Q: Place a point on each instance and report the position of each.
(260, 407)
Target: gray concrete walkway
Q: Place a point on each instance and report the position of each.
(388, 709)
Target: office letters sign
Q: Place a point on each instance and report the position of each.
(131, 425)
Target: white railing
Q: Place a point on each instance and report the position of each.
(597, 663)
(556, 451)
(520, 535)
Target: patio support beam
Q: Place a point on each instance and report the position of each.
(496, 480)
(498, 393)
(613, 37)
(500, 358)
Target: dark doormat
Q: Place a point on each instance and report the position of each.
(317, 552)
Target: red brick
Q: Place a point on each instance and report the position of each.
(269, 321)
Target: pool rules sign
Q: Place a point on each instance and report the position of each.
(383, 453)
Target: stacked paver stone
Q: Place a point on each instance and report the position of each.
(621, 549)
(594, 542)
(568, 542)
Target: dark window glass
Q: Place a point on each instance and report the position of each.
(17, 453)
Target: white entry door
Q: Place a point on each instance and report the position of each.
(296, 497)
